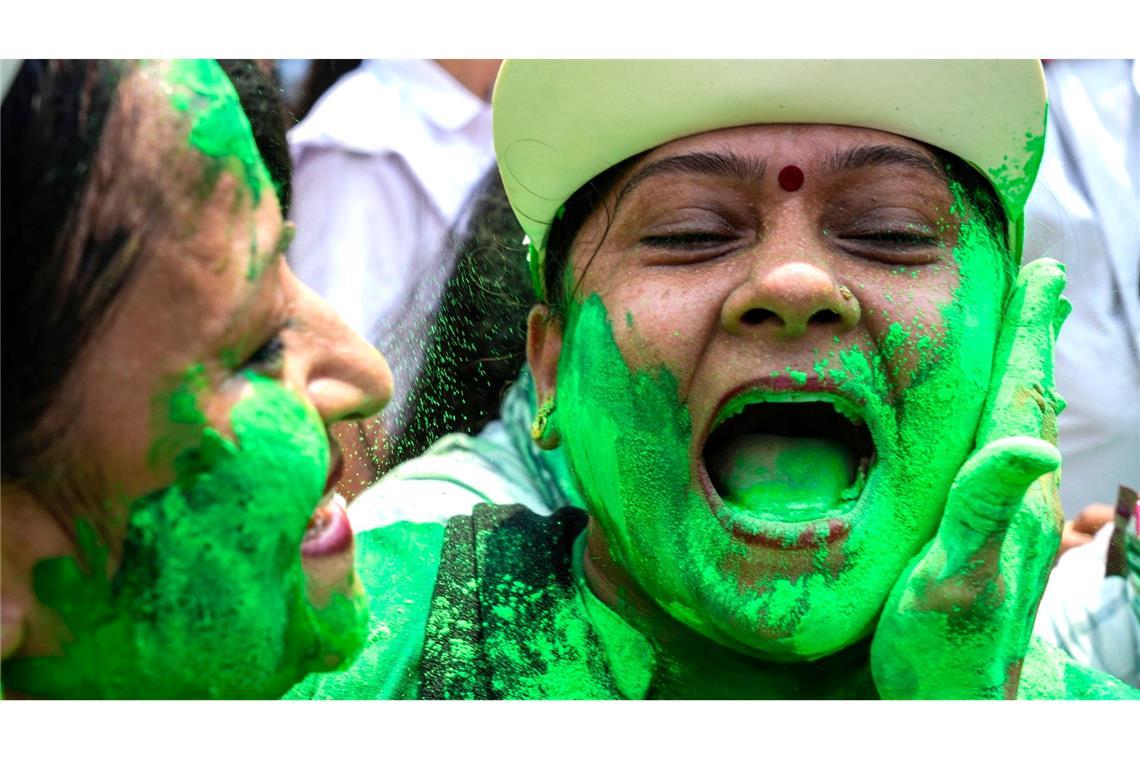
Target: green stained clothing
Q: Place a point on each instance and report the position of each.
(524, 627)
(397, 565)
(495, 605)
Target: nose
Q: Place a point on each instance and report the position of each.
(346, 377)
(785, 300)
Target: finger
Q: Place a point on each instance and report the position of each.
(1093, 517)
(990, 488)
(1022, 399)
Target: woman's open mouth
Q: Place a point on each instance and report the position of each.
(787, 467)
(329, 531)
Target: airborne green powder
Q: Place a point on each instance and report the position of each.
(209, 597)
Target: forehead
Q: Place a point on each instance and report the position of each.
(190, 127)
(190, 145)
(811, 144)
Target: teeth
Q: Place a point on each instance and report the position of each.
(332, 497)
(852, 491)
(844, 408)
(320, 518)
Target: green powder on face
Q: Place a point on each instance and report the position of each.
(179, 417)
(628, 438)
(219, 129)
(209, 596)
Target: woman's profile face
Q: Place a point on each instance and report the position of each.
(205, 402)
(772, 366)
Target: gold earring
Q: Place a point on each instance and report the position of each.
(542, 419)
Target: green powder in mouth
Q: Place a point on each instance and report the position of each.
(782, 477)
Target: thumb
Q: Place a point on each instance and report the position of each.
(992, 483)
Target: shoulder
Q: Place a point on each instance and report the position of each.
(506, 621)
(359, 114)
(450, 478)
(1049, 673)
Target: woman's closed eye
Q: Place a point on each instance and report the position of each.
(269, 358)
(689, 241)
(910, 243)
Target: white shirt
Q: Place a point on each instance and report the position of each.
(382, 167)
(1093, 618)
(1085, 212)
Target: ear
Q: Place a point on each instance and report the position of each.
(30, 534)
(543, 350)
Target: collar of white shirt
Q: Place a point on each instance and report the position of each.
(410, 108)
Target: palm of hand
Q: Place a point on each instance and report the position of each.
(958, 622)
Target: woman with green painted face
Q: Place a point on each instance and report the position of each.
(810, 407)
(170, 527)
(785, 348)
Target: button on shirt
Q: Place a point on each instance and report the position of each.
(382, 168)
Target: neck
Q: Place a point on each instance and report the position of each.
(475, 74)
(692, 666)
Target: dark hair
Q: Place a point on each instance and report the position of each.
(260, 95)
(976, 191)
(476, 344)
(62, 272)
(323, 73)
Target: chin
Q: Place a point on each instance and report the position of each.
(787, 593)
(773, 616)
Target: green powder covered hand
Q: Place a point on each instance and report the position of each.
(957, 624)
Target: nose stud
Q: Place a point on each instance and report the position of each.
(791, 178)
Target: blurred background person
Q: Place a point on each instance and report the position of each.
(1085, 212)
(384, 161)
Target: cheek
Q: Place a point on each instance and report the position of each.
(906, 312)
(663, 323)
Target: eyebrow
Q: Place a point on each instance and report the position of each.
(734, 166)
(261, 262)
(727, 165)
(884, 155)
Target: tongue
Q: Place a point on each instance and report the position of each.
(788, 478)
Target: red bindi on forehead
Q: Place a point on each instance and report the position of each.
(791, 178)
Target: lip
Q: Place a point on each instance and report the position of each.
(329, 531)
(778, 534)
